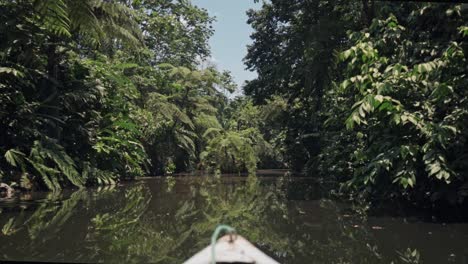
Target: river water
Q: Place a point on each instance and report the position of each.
(162, 220)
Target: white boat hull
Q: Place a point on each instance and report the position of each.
(238, 250)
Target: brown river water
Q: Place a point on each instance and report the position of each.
(159, 220)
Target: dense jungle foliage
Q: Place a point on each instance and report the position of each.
(96, 91)
(376, 97)
(368, 97)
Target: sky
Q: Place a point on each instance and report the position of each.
(231, 36)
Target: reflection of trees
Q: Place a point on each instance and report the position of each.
(170, 234)
(151, 223)
(48, 219)
(37, 230)
(182, 225)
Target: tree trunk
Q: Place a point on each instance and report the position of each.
(50, 90)
(368, 7)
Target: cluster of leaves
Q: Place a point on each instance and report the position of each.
(60, 98)
(244, 141)
(176, 32)
(409, 107)
(375, 93)
(179, 112)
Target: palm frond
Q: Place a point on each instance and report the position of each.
(46, 150)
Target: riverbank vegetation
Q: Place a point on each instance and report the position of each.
(367, 97)
(97, 91)
(376, 94)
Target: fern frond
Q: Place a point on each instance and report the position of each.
(117, 21)
(184, 118)
(66, 165)
(85, 22)
(54, 16)
(185, 142)
(114, 30)
(48, 175)
(203, 122)
(212, 131)
(12, 71)
(15, 158)
(95, 175)
(203, 105)
(47, 150)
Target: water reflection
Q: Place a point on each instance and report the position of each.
(167, 221)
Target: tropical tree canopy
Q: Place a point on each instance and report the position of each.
(375, 94)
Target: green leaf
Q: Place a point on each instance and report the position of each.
(11, 71)
(14, 157)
